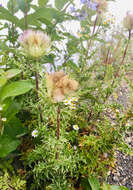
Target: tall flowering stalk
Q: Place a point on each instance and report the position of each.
(58, 85)
(35, 44)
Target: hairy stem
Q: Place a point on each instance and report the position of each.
(12, 10)
(37, 88)
(126, 48)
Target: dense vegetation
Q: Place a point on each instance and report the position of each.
(60, 121)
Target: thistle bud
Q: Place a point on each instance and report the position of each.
(128, 21)
(101, 6)
(35, 43)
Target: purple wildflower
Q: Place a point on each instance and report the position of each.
(82, 15)
(0, 5)
(72, 9)
(83, 1)
(92, 5)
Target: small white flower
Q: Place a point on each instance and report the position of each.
(33, 77)
(1, 108)
(76, 127)
(67, 102)
(34, 133)
(74, 99)
(4, 119)
(74, 147)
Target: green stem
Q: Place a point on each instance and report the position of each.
(0, 124)
(37, 88)
(25, 14)
(58, 129)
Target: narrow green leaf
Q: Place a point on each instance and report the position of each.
(94, 183)
(15, 89)
(6, 15)
(12, 5)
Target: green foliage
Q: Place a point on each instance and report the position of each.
(7, 145)
(60, 3)
(15, 89)
(14, 182)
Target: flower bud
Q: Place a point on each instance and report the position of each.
(35, 43)
(101, 6)
(128, 21)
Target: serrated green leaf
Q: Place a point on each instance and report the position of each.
(15, 89)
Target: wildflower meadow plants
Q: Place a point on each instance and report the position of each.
(60, 122)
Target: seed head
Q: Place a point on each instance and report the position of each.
(58, 85)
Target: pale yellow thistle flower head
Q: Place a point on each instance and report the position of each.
(35, 43)
(128, 20)
(58, 85)
(101, 6)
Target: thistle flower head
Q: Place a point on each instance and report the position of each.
(128, 21)
(34, 43)
(58, 85)
(101, 6)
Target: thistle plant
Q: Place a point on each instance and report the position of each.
(128, 20)
(34, 45)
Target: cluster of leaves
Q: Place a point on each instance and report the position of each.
(61, 157)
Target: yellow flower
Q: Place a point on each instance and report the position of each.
(35, 43)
